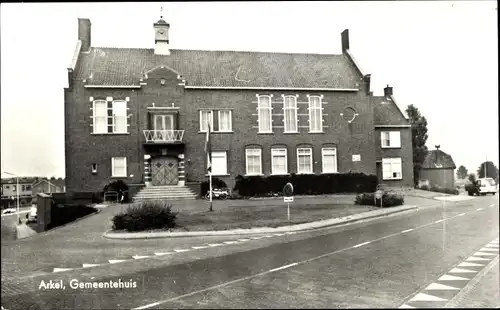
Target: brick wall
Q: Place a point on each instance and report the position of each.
(84, 148)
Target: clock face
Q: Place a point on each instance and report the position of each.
(161, 31)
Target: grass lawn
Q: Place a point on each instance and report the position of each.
(263, 216)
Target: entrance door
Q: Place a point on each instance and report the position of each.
(164, 171)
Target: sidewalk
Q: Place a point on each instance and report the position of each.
(24, 231)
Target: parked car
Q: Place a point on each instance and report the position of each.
(32, 215)
(9, 211)
(482, 187)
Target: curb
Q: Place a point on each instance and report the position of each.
(263, 230)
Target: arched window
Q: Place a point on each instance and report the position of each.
(290, 113)
(315, 114)
(264, 109)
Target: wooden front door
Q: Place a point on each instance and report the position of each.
(164, 171)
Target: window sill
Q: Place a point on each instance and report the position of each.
(218, 175)
(391, 147)
(393, 179)
(110, 133)
(290, 132)
(265, 133)
(254, 175)
(212, 132)
(305, 173)
(316, 132)
(330, 172)
(119, 177)
(280, 174)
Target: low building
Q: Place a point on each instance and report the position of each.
(48, 187)
(438, 170)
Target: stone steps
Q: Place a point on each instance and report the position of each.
(172, 192)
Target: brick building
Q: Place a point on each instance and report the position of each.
(140, 115)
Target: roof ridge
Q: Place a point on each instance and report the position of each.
(215, 51)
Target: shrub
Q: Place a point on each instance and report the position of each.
(154, 214)
(65, 213)
(388, 200)
(258, 186)
(452, 191)
(120, 187)
(216, 183)
(424, 187)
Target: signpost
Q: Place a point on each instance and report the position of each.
(378, 195)
(288, 193)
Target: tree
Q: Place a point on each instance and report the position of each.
(491, 171)
(462, 172)
(419, 138)
(472, 178)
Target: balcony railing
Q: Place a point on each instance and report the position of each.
(163, 136)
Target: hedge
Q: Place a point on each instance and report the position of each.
(388, 200)
(154, 214)
(306, 184)
(61, 214)
(451, 191)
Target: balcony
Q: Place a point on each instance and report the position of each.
(163, 136)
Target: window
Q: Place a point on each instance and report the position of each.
(100, 116)
(119, 116)
(219, 163)
(264, 111)
(304, 160)
(278, 161)
(119, 167)
(206, 117)
(254, 161)
(390, 139)
(315, 114)
(391, 169)
(14, 188)
(290, 113)
(329, 160)
(225, 123)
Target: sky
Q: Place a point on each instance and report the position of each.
(440, 56)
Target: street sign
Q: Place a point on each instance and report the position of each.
(288, 199)
(356, 157)
(378, 194)
(288, 189)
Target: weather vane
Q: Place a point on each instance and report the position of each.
(161, 12)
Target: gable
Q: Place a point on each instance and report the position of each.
(386, 112)
(126, 66)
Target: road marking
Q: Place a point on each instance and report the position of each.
(405, 306)
(200, 247)
(279, 235)
(466, 264)
(439, 221)
(243, 240)
(283, 267)
(476, 259)
(215, 244)
(361, 244)
(488, 250)
(461, 214)
(230, 242)
(426, 297)
(484, 254)
(452, 278)
(266, 272)
(62, 269)
(460, 270)
(115, 261)
(290, 233)
(139, 256)
(181, 250)
(90, 265)
(268, 236)
(404, 231)
(492, 205)
(492, 246)
(437, 286)
(479, 209)
(163, 253)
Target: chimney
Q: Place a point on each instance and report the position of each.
(345, 40)
(388, 91)
(84, 33)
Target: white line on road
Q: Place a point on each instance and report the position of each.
(90, 265)
(163, 253)
(181, 250)
(215, 244)
(269, 271)
(230, 242)
(62, 269)
(243, 240)
(361, 244)
(405, 231)
(283, 267)
(461, 214)
(200, 247)
(439, 221)
(140, 256)
(479, 209)
(115, 261)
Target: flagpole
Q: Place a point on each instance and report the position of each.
(210, 189)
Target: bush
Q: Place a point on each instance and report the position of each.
(388, 200)
(154, 214)
(424, 187)
(65, 213)
(216, 183)
(121, 188)
(451, 191)
(304, 184)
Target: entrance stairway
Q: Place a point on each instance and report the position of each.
(170, 192)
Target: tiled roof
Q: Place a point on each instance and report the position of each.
(125, 67)
(438, 159)
(22, 180)
(387, 112)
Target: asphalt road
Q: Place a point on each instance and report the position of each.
(380, 263)
(9, 222)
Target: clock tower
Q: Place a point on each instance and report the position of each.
(161, 28)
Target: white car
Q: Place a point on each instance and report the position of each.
(32, 215)
(487, 186)
(9, 211)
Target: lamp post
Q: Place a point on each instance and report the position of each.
(17, 193)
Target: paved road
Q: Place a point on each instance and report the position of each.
(386, 262)
(9, 224)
